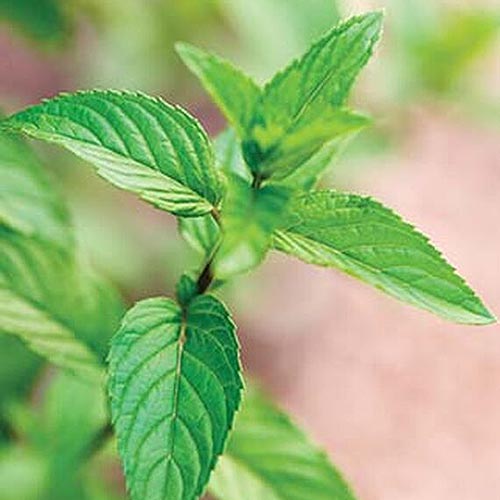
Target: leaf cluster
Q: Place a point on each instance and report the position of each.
(174, 374)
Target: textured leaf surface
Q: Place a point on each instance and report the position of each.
(28, 203)
(229, 155)
(137, 143)
(248, 220)
(233, 91)
(269, 458)
(201, 233)
(318, 82)
(175, 386)
(367, 240)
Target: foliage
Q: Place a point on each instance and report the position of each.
(173, 372)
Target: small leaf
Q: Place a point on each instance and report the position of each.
(248, 220)
(137, 143)
(269, 458)
(201, 233)
(367, 240)
(174, 384)
(284, 154)
(233, 91)
(298, 96)
(229, 155)
(310, 173)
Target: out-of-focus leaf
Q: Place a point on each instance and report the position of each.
(269, 458)
(461, 39)
(42, 20)
(248, 220)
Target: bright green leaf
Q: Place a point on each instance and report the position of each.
(269, 458)
(248, 220)
(367, 240)
(233, 91)
(174, 384)
(136, 142)
(298, 97)
(229, 155)
(310, 173)
(286, 153)
(201, 233)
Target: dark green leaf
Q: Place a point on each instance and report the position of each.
(174, 383)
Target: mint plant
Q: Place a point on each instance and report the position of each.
(173, 370)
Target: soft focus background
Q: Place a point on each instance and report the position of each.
(407, 405)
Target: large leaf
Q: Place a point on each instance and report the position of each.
(269, 458)
(174, 384)
(297, 98)
(249, 218)
(233, 91)
(367, 240)
(137, 143)
(28, 202)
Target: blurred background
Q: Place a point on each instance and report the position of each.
(405, 404)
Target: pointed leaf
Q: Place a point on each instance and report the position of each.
(248, 220)
(174, 385)
(269, 458)
(137, 143)
(320, 80)
(233, 91)
(367, 240)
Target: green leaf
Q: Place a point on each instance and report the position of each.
(42, 20)
(298, 97)
(269, 458)
(28, 202)
(51, 302)
(136, 142)
(201, 233)
(367, 240)
(289, 152)
(310, 173)
(174, 384)
(233, 91)
(229, 156)
(459, 40)
(248, 220)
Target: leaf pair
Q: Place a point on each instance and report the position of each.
(302, 108)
